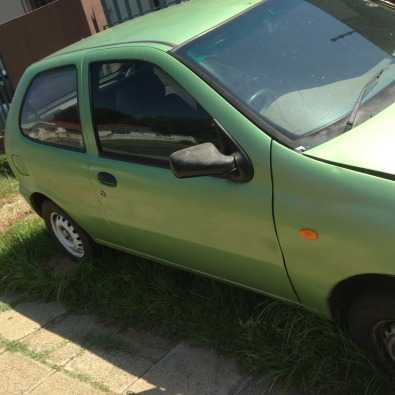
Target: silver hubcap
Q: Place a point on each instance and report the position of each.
(385, 337)
(67, 235)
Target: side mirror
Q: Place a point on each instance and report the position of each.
(202, 160)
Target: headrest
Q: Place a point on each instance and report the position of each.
(147, 84)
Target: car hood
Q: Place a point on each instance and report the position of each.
(370, 146)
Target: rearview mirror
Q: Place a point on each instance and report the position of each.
(202, 160)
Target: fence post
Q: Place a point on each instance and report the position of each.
(140, 7)
(117, 11)
(128, 9)
(107, 12)
(114, 14)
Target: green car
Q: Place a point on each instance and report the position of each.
(249, 141)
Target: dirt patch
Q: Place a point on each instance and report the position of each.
(12, 209)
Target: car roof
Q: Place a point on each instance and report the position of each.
(170, 26)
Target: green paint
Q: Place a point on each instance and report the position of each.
(213, 226)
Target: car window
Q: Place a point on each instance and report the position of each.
(299, 66)
(50, 111)
(141, 113)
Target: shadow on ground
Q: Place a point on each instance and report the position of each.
(146, 312)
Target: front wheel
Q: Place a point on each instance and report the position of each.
(67, 234)
(371, 322)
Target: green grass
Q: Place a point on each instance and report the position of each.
(8, 187)
(42, 357)
(8, 184)
(294, 346)
(4, 307)
(18, 347)
(86, 379)
(5, 169)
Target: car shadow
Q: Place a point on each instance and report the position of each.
(85, 341)
(151, 329)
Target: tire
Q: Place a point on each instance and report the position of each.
(67, 234)
(371, 323)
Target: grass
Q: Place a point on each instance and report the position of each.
(12, 205)
(8, 184)
(4, 307)
(86, 379)
(295, 347)
(42, 357)
(5, 169)
(8, 187)
(18, 347)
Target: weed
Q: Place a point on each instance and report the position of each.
(294, 346)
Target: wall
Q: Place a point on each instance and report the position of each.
(136, 7)
(35, 35)
(94, 15)
(122, 10)
(10, 9)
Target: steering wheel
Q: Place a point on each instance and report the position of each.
(262, 99)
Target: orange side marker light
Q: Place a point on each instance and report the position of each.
(308, 234)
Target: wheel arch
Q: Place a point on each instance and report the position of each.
(347, 290)
(37, 199)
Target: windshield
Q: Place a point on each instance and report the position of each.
(299, 66)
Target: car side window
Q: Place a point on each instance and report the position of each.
(141, 113)
(50, 112)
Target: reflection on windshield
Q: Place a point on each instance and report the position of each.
(300, 65)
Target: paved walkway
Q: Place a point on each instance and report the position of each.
(45, 350)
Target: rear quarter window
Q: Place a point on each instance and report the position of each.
(50, 112)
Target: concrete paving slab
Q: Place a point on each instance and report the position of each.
(190, 371)
(73, 328)
(19, 373)
(59, 350)
(146, 344)
(116, 370)
(9, 299)
(44, 340)
(27, 318)
(118, 359)
(65, 338)
(64, 354)
(64, 385)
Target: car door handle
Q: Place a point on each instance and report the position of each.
(107, 179)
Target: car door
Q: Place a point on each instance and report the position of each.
(146, 105)
(46, 144)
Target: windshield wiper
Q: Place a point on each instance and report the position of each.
(370, 85)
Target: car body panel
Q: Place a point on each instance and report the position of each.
(226, 232)
(369, 146)
(212, 225)
(197, 16)
(223, 229)
(40, 168)
(352, 212)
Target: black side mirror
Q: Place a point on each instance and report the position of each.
(202, 160)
